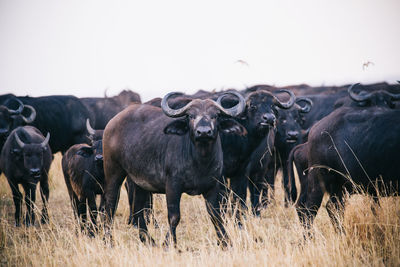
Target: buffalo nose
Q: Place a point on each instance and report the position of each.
(203, 131)
(34, 172)
(98, 157)
(293, 134)
(269, 118)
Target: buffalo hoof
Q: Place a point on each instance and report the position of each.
(44, 220)
(28, 222)
(17, 224)
(224, 243)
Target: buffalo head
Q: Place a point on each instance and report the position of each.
(95, 147)
(262, 109)
(32, 154)
(375, 98)
(202, 119)
(289, 131)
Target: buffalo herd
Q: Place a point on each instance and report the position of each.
(220, 145)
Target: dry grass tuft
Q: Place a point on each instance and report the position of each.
(275, 239)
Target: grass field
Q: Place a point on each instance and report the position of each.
(275, 239)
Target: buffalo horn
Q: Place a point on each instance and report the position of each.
(46, 140)
(31, 117)
(170, 112)
(19, 142)
(288, 104)
(17, 111)
(358, 97)
(89, 128)
(308, 104)
(235, 110)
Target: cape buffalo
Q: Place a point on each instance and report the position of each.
(259, 118)
(82, 166)
(103, 109)
(350, 148)
(169, 151)
(64, 117)
(272, 154)
(25, 160)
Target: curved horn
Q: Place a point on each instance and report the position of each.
(235, 110)
(46, 140)
(19, 142)
(288, 104)
(357, 97)
(32, 117)
(89, 128)
(170, 112)
(395, 97)
(105, 93)
(19, 110)
(308, 105)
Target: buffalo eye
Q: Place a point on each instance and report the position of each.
(253, 108)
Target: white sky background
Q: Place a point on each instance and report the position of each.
(153, 47)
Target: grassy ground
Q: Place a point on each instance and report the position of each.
(275, 239)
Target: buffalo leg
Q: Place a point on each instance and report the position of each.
(255, 194)
(114, 177)
(310, 200)
(213, 200)
(30, 198)
(289, 188)
(173, 195)
(239, 188)
(138, 219)
(93, 214)
(335, 209)
(130, 190)
(17, 197)
(44, 193)
(82, 212)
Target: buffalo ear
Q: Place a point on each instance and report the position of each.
(230, 126)
(178, 127)
(85, 151)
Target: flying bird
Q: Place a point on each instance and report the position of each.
(367, 64)
(242, 62)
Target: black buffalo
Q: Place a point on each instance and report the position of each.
(273, 152)
(350, 148)
(104, 109)
(171, 156)
(82, 166)
(259, 117)
(64, 117)
(25, 160)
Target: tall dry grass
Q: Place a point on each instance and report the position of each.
(275, 239)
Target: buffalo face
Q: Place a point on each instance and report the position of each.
(32, 155)
(95, 147)
(262, 110)
(202, 119)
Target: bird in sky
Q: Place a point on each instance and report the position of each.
(367, 64)
(241, 61)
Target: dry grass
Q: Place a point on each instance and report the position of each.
(273, 240)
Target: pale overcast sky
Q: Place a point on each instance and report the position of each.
(83, 47)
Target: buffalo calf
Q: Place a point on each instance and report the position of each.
(83, 172)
